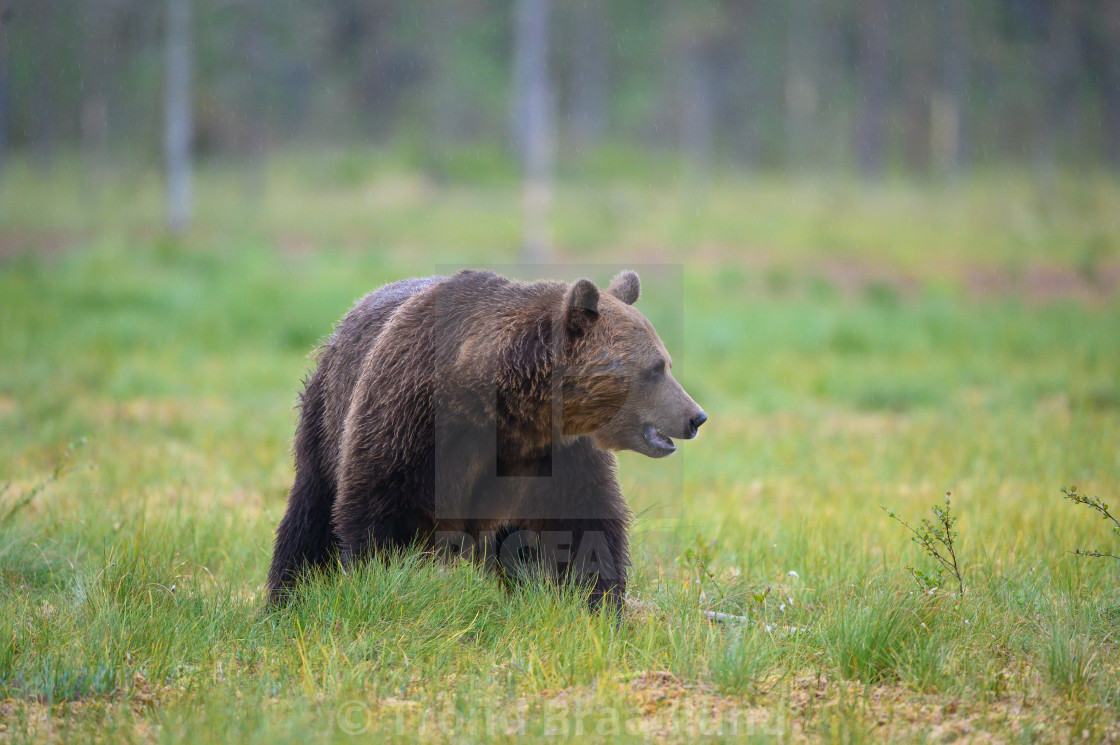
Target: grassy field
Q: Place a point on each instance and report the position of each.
(855, 347)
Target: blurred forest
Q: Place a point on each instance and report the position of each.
(875, 86)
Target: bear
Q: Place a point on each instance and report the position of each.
(477, 414)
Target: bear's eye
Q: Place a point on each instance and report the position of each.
(653, 371)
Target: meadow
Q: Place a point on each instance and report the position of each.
(856, 346)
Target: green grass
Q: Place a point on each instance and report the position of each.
(835, 333)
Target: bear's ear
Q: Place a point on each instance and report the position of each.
(626, 287)
(581, 305)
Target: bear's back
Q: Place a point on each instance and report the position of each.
(326, 397)
(477, 304)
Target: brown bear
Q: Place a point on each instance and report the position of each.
(479, 414)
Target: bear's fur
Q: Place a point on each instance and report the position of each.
(479, 413)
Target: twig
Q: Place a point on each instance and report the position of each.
(56, 472)
(1097, 504)
(1093, 554)
(712, 577)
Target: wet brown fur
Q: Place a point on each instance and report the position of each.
(432, 411)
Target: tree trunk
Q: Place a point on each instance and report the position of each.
(446, 90)
(93, 118)
(1110, 86)
(533, 107)
(258, 64)
(590, 74)
(801, 84)
(920, 107)
(697, 118)
(44, 81)
(94, 115)
(4, 94)
(177, 116)
(1058, 62)
(948, 143)
(874, 26)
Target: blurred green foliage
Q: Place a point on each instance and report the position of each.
(769, 84)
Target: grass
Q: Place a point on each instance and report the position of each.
(835, 332)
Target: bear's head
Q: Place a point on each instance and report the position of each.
(617, 387)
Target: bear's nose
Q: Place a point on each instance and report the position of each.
(696, 421)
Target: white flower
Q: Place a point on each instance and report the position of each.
(782, 609)
(966, 620)
(923, 625)
(793, 573)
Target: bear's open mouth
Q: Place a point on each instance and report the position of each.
(660, 442)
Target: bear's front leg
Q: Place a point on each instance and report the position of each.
(593, 553)
(581, 530)
(590, 553)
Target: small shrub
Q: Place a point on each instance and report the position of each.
(938, 540)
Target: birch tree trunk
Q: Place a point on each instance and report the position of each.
(533, 125)
(948, 116)
(873, 85)
(177, 116)
(802, 81)
(697, 107)
(590, 81)
(3, 88)
(1058, 67)
(1110, 91)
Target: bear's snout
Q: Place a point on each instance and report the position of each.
(695, 422)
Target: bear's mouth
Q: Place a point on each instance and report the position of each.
(661, 444)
